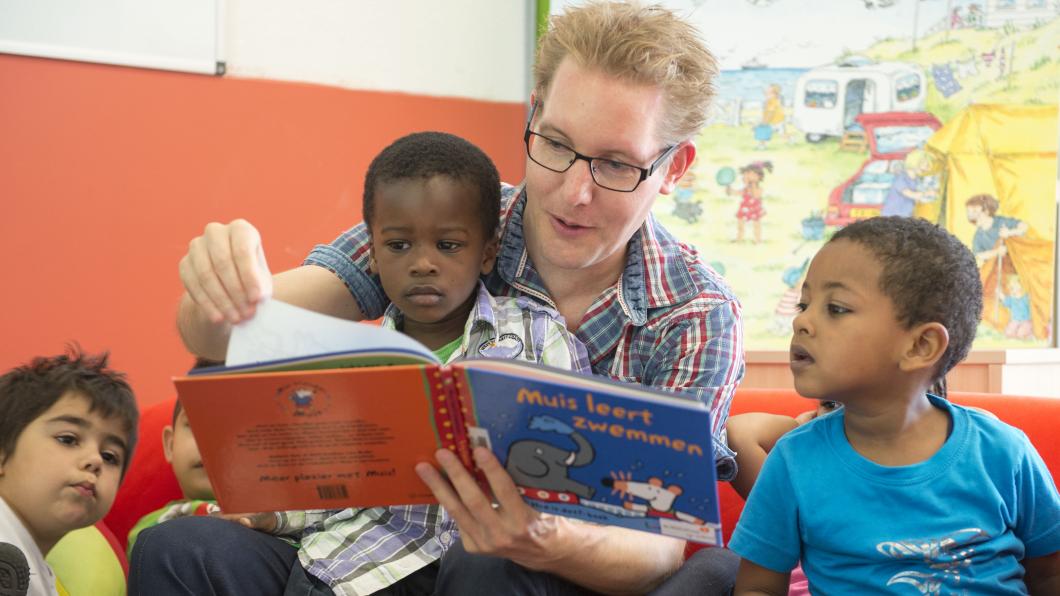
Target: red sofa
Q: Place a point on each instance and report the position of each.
(150, 483)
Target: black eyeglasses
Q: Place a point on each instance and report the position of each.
(608, 173)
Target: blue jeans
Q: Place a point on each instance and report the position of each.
(207, 556)
(709, 571)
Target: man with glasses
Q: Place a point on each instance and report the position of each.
(620, 91)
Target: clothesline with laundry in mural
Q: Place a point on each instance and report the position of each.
(948, 75)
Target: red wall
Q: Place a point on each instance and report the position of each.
(106, 173)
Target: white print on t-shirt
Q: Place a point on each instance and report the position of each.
(945, 557)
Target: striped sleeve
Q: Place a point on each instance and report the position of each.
(347, 258)
(702, 354)
(292, 523)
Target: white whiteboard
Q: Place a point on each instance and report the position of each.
(179, 35)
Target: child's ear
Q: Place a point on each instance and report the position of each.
(167, 442)
(373, 266)
(489, 255)
(928, 342)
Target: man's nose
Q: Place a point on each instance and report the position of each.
(578, 182)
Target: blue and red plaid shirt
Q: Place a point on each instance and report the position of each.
(669, 322)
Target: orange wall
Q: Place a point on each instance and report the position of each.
(106, 173)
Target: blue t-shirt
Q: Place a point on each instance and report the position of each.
(984, 240)
(1019, 307)
(896, 202)
(960, 521)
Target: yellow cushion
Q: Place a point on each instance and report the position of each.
(85, 565)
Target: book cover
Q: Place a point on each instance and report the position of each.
(316, 439)
(597, 450)
(346, 427)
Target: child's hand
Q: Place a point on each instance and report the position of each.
(263, 522)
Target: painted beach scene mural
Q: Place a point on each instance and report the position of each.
(940, 109)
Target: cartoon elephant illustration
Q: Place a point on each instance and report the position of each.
(537, 464)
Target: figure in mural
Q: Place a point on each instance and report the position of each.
(1015, 268)
(956, 18)
(772, 116)
(912, 184)
(991, 229)
(788, 305)
(686, 205)
(1018, 303)
(751, 209)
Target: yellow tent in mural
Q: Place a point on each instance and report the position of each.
(1008, 152)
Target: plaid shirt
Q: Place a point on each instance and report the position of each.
(360, 551)
(670, 321)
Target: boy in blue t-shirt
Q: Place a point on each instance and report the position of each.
(899, 491)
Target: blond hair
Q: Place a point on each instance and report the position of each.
(922, 161)
(641, 44)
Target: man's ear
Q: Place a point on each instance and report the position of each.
(927, 344)
(679, 164)
(489, 254)
(533, 102)
(167, 442)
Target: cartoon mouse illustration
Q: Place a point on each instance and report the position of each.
(537, 464)
(660, 498)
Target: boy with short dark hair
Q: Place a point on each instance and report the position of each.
(67, 432)
(899, 487)
(182, 453)
(431, 203)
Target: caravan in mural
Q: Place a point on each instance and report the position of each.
(940, 109)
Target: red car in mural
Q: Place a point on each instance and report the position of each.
(891, 136)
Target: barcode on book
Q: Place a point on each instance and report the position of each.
(331, 491)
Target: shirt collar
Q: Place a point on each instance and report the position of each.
(482, 314)
(656, 273)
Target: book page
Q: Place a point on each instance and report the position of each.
(281, 331)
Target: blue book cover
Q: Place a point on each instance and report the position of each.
(597, 450)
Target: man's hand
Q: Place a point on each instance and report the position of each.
(512, 529)
(225, 272)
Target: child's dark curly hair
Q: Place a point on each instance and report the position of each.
(928, 274)
(423, 155)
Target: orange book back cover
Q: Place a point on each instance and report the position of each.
(317, 439)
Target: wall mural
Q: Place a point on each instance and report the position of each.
(941, 109)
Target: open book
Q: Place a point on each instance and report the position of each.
(313, 412)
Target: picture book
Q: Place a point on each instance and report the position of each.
(345, 428)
